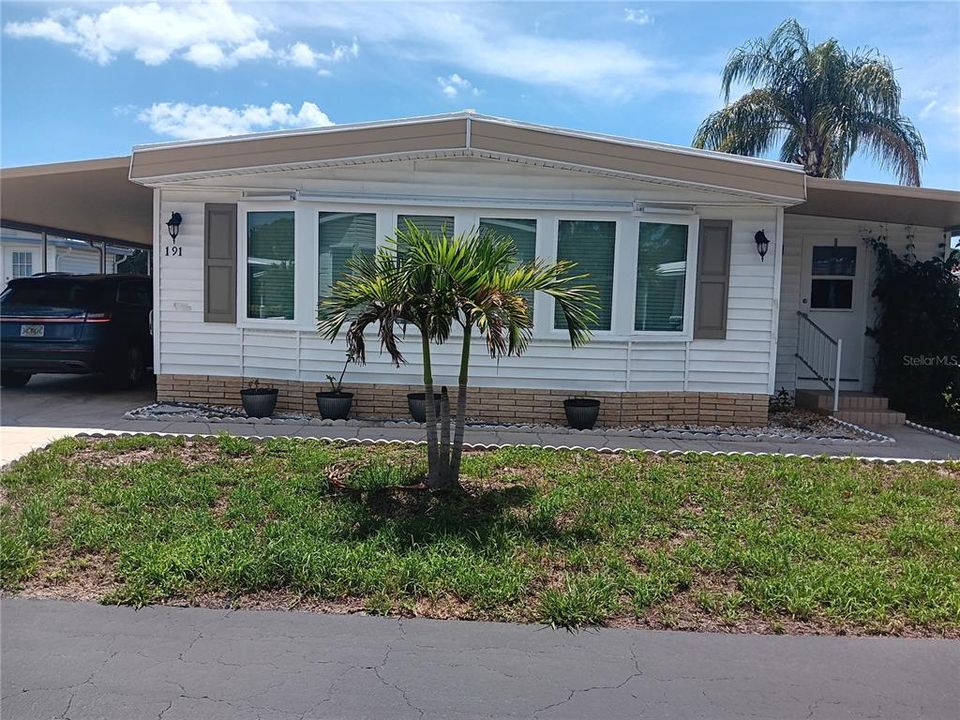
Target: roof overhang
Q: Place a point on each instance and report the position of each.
(91, 198)
(467, 135)
(876, 202)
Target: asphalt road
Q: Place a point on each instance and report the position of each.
(81, 660)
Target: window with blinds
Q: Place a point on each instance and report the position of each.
(270, 265)
(661, 277)
(523, 233)
(590, 244)
(437, 224)
(342, 236)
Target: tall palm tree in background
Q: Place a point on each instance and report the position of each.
(435, 281)
(820, 103)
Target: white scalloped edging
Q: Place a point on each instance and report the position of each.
(498, 446)
(933, 431)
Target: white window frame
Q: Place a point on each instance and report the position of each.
(630, 258)
(626, 248)
(303, 267)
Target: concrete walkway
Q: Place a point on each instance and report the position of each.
(81, 660)
(57, 406)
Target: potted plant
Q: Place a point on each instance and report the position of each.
(257, 401)
(581, 413)
(418, 406)
(334, 404)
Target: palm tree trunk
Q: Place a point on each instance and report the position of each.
(433, 457)
(444, 471)
(457, 453)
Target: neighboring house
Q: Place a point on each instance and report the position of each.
(693, 324)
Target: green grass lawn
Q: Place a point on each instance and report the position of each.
(566, 538)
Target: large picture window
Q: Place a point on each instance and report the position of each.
(342, 236)
(270, 265)
(590, 244)
(523, 233)
(661, 277)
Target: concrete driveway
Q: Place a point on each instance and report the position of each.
(53, 406)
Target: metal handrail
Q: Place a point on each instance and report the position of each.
(822, 356)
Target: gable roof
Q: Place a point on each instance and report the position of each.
(467, 134)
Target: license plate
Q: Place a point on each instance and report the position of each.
(31, 331)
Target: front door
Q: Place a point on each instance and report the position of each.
(833, 294)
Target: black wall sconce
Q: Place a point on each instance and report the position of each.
(762, 244)
(173, 225)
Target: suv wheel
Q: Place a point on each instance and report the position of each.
(14, 378)
(129, 370)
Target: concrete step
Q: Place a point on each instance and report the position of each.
(822, 401)
(872, 418)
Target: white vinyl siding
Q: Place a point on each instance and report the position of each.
(618, 360)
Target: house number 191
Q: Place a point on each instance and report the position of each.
(173, 251)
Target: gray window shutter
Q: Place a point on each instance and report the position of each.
(220, 263)
(713, 280)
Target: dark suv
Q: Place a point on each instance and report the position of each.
(59, 323)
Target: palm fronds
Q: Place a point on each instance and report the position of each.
(820, 103)
(435, 281)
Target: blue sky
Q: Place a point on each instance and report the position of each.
(83, 80)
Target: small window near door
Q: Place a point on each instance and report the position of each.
(22, 264)
(829, 260)
(832, 269)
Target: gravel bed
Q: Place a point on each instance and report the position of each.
(794, 426)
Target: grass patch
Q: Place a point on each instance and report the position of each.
(565, 538)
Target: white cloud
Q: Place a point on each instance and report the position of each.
(454, 85)
(637, 17)
(191, 122)
(501, 41)
(208, 34)
(302, 55)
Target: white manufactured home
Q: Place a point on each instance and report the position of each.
(721, 278)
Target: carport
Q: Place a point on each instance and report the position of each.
(75, 217)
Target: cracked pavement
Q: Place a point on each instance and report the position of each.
(76, 661)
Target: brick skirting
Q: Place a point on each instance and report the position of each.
(485, 404)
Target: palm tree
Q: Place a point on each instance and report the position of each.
(821, 104)
(434, 281)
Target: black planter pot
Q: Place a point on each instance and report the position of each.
(418, 408)
(334, 405)
(259, 402)
(581, 412)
